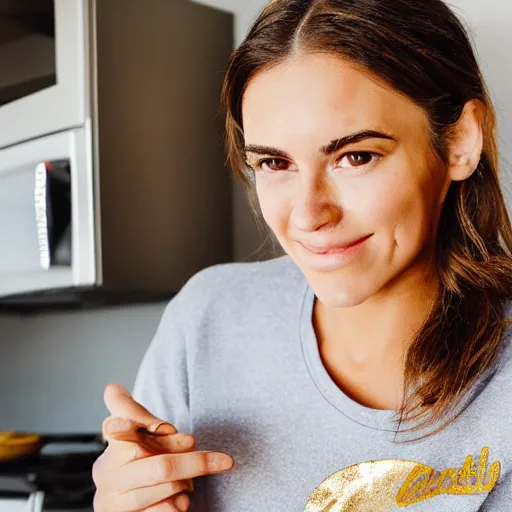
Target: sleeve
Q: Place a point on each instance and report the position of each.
(161, 384)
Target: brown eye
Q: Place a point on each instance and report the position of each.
(357, 159)
(272, 164)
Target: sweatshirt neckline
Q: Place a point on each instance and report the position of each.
(376, 419)
(384, 420)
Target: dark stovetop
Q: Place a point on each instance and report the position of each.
(65, 478)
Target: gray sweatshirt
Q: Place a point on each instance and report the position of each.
(235, 362)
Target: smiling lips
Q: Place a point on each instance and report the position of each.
(330, 257)
(333, 249)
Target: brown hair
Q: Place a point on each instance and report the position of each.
(421, 49)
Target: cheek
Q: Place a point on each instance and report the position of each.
(394, 205)
(406, 212)
(273, 201)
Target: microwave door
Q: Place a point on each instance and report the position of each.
(35, 217)
(43, 68)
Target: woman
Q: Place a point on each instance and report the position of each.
(370, 368)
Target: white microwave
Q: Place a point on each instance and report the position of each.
(43, 55)
(112, 171)
(47, 221)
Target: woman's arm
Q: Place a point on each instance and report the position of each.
(161, 385)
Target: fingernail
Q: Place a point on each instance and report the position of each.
(161, 428)
(219, 462)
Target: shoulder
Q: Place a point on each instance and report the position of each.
(223, 302)
(234, 282)
(231, 292)
(277, 268)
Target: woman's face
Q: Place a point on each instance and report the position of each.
(345, 175)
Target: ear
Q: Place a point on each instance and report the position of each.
(466, 142)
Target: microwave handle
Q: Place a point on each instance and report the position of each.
(52, 201)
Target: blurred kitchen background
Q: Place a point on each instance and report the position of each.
(111, 109)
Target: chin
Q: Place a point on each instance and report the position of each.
(341, 295)
(340, 299)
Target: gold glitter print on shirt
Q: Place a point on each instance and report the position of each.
(424, 482)
(388, 485)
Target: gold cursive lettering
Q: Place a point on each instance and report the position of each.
(424, 482)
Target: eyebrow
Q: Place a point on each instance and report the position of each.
(333, 146)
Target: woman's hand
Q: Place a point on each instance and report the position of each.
(147, 466)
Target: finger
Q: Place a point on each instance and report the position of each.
(129, 426)
(113, 458)
(121, 453)
(182, 501)
(139, 499)
(170, 467)
(178, 503)
(122, 429)
(164, 506)
(120, 403)
(130, 430)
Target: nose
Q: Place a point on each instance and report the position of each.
(315, 204)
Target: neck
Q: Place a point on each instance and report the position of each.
(370, 341)
(386, 321)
